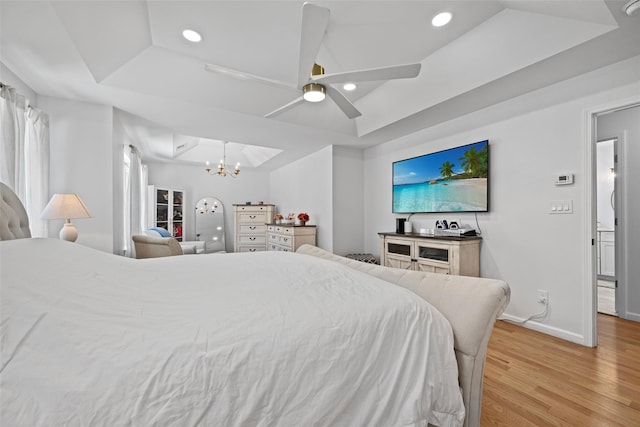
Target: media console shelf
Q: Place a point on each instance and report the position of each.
(459, 256)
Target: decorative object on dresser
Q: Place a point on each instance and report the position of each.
(166, 210)
(290, 219)
(289, 238)
(436, 254)
(66, 206)
(251, 225)
(303, 218)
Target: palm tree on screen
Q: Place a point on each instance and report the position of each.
(446, 170)
(472, 162)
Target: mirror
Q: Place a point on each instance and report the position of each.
(210, 224)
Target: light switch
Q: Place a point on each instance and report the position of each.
(561, 207)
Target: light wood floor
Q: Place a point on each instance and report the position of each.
(532, 379)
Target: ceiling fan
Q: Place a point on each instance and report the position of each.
(312, 80)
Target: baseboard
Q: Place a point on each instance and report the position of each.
(546, 329)
(633, 316)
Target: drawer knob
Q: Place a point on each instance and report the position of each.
(252, 238)
(252, 227)
(252, 216)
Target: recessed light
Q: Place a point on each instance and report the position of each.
(441, 19)
(192, 36)
(349, 86)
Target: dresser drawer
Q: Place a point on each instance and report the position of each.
(253, 208)
(281, 229)
(274, 247)
(252, 229)
(280, 239)
(251, 249)
(251, 240)
(252, 218)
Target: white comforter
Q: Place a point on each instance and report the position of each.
(262, 339)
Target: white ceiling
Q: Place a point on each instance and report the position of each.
(131, 55)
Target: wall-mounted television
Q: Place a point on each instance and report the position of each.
(453, 180)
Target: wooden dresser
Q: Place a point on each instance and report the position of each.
(289, 237)
(436, 254)
(250, 227)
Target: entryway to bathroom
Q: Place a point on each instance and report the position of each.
(606, 220)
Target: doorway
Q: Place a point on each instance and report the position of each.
(606, 171)
(621, 123)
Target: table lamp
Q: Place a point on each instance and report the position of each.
(66, 206)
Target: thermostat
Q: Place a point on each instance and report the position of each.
(564, 179)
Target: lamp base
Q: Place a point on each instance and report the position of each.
(69, 232)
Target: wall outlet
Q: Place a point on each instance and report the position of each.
(543, 296)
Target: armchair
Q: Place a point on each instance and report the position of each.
(154, 247)
(188, 247)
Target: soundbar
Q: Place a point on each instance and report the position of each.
(460, 232)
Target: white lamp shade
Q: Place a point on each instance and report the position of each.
(65, 206)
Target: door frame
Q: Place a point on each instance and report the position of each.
(590, 300)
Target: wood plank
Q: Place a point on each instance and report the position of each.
(533, 379)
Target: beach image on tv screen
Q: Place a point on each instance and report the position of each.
(453, 180)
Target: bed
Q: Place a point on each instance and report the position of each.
(261, 339)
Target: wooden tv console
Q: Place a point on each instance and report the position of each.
(436, 254)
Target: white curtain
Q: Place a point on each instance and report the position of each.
(135, 198)
(24, 151)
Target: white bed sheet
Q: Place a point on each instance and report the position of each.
(262, 339)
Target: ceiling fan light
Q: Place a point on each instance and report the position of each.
(313, 92)
(192, 36)
(441, 19)
(632, 7)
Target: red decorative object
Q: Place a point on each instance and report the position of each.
(303, 217)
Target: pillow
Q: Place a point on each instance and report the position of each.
(161, 231)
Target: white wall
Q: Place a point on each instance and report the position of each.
(625, 124)
(522, 243)
(305, 186)
(9, 78)
(348, 200)
(81, 162)
(250, 185)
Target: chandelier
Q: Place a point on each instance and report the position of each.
(223, 169)
(206, 208)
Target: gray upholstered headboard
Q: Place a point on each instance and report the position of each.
(14, 222)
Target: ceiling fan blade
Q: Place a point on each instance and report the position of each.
(314, 24)
(241, 75)
(285, 107)
(345, 105)
(373, 74)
